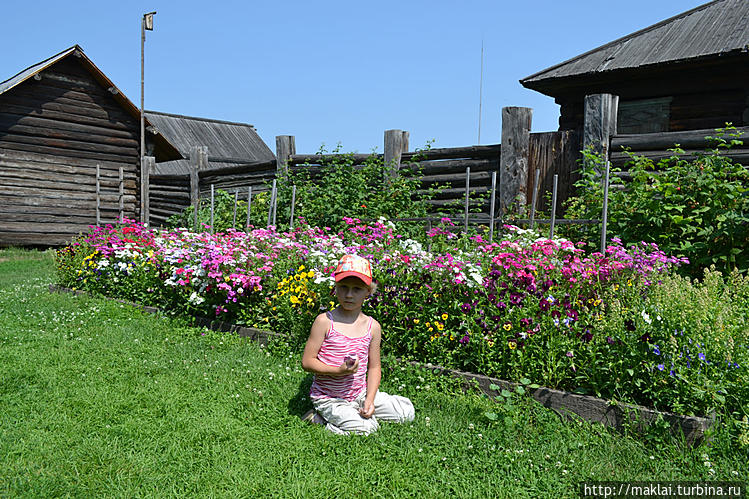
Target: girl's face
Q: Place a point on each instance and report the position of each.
(351, 293)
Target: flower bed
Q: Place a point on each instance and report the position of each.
(588, 323)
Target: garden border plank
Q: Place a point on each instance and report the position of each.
(567, 405)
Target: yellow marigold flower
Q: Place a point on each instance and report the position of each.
(227, 278)
(596, 303)
(507, 326)
(301, 267)
(444, 317)
(293, 299)
(512, 345)
(416, 321)
(440, 327)
(452, 338)
(427, 324)
(430, 329)
(311, 274)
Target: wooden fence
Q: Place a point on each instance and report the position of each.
(550, 152)
(517, 162)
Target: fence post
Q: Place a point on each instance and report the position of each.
(553, 206)
(513, 159)
(212, 209)
(150, 165)
(198, 160)
(605, 213)
(234, 217)
(600, 122)
(394, 149)
(491, 207)
(285, 147)
(249, 207)
(98, 196)
(122, 194)
(468, 192)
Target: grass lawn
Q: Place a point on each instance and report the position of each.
(99, 399)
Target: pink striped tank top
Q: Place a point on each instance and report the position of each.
(334, 348)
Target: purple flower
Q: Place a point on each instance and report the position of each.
(656, 350)
(661, 367)
(609, 340)
(570, 354)
(701, 356)
(465, 339)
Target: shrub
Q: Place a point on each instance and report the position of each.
(696, 209)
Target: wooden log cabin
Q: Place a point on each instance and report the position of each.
(61, 121)
(688, 72)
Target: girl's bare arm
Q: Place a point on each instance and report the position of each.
(311, 363)
(374, 371)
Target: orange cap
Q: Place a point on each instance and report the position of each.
(356, 266)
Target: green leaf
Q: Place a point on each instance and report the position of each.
(631, 372)
(494, 387)
(520, 389)
(491, 416)
(525, 381)
(506, 393)
(534, 386)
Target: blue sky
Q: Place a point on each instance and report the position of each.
(332, 72)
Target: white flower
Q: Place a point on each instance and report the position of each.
(646, 317)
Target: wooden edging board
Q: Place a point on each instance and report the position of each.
(567, 405)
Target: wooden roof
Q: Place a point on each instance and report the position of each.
(165, 150)
(715, 29)
(228, 143)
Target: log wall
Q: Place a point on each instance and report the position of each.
(54, 131)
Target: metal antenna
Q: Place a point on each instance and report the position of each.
(481, 87)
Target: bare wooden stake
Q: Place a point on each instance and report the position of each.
(553, 206)
(249, 206)
(468, 190)
(535, 195)
(270, 203)
(122, 194)
(149, 163)
(275, 202)
(429, 229)
(293, 201)
(212, 203)
(98, 196)
(605, 207)
(234, 217)
(491, 206)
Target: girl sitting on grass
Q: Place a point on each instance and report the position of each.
(343, 352)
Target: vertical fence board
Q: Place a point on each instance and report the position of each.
(513, 162)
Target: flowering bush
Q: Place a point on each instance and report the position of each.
(524, 307)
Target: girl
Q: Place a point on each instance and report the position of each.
(343, 352)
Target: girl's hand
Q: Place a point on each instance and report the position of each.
(367, 409)
(348, 368)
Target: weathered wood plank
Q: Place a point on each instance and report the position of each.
(600, 122)
(68, 140)
(457, 193)
(47, 158)
(71, 153)
(692, 139)
(285, 148)
(513, 163)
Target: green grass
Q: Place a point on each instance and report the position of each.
(99, 399)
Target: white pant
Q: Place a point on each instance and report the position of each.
(343, 416)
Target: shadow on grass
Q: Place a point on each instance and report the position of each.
(300, 402)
